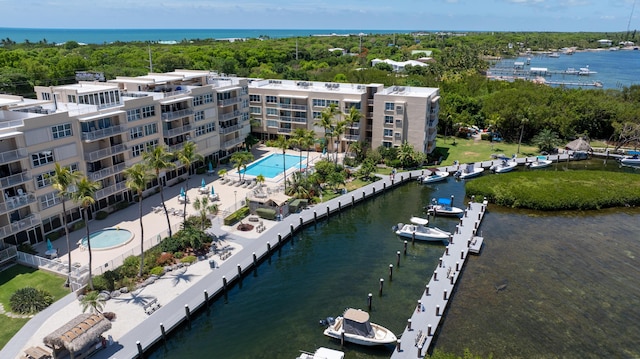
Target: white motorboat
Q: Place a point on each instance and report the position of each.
(585, 71)
(322, 353)
(434, 176)
(540, 162)
(357, 329)
(504, 166)
(633, 159)
(469, 171)
(418, 228)
(443, 207)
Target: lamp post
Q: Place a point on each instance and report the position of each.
(235, 197)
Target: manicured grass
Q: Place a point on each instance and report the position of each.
(470, 150)
(551, 190)
(18, 277)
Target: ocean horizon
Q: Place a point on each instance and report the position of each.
(105, 36)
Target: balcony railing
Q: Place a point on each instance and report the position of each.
(293, 119)
(105, 152)
(105, 172)
(293, 107)
(103, 133)
(8, 253)
(172, 115)
(229, 129)
(228, 116)
(351, 137)
(231, 143)
(12, 156)
(15, 179)
(20, 225)
(354, 125)
(177, 131)
(284, 130)
(176, 147)
(11, 124)
(229, 101)
(15, 202)
(107, 191)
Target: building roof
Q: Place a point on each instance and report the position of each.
(78, 332)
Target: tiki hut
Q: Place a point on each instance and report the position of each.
(78, 335)
(579, 144)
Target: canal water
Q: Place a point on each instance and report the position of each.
(571, 285)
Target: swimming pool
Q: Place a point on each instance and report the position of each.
(108, 238)
(272, 165)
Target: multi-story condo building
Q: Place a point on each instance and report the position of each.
(101, 128)
(390, 116)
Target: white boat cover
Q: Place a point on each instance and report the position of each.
(419, 221)
(356, 322)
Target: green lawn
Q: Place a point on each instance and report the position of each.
(470, 150)
(18, 277)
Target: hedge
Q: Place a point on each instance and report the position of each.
(236, 216)
(266, 213)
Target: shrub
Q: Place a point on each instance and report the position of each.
(127, 282)
(266, 213)
(100, 215)
(78, 225)
(189, 259)
(122, 205)
(53, 235)
(485, 136)
(178, 255)
(30, 300)
(130, 267)
(165, 259)
(157, 271)
(101, 283)
(27, 248)
(236, 216)
(172, 244)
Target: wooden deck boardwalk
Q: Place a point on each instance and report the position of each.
(431, 306)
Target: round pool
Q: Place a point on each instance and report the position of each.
(108, 238)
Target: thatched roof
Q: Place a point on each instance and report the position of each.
(78, 332)
(579, 144)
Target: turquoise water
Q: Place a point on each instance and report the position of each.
(272, 165)
(108, 238)
(614, 69)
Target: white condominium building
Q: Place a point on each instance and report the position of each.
(101, 128)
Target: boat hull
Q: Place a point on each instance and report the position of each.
(630, 161)
(444, 211)
(540, 164)
(431, 235)
(439, 176)
(465, 175)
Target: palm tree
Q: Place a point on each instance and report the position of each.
(137, 178)
(240, 160)
(63, 181)
(93, 301)
(326, 121)
(298, 140)
(84, 195)
(204, 207)
(547, 140)
(309, 140)
(188, 155)
(338, 130)
(354, 116)
(159, 159)
(282, 143)
(260, 179)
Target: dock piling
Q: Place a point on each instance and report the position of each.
(409, 324)
(369, 301)
(140, 352)
(426, 290)
(381, 285)
(163, 333)
(187, 313)
(405, 248)
(206, 298)
(398, 261)
(390, 272)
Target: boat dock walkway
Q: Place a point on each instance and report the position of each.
(432, 304)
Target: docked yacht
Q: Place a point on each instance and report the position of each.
(443, 207)
(433, 176)
(540, 162)
(633, 159)
(418, 228)
(504, 166)
(357, 329)
(469, 171)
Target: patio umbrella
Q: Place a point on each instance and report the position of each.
(210, 166)
(203, 183)
(212, 191)
(182, 191)
(49, 245)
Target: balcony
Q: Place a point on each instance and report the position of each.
(351, 138)
(107, 191)
(284, 130)
(105, 152)
(293, 119)
(229, 129)
(16, 179)
(177, 131)
(228, 116)
(354, 125)
(103, 133)
(12, 156)
(106, 172)
(231, 143)
(15, 202)
(293, 107)
(20, 225)
(176, 147)
(229, 101)
(172, 115)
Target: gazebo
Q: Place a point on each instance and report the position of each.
(279, 202)
(579, 144)
(78, 336)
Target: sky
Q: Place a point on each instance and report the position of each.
(452, 15)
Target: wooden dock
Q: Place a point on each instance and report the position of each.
(429, 310)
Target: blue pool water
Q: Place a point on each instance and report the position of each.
(272, 165)
(108, 238)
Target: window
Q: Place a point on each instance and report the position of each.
(333, 102)
(272, 123)
(49, 200)
(61, 131)
(208, 98)
(388, 120)
(151, 145)
(398, 123)
(150, 129)
(197, 101)
(272, 99)
(71, 98)
(245, 116)
(136, 132)
(136, 150)
(46, 96)
(317, 114)
(386, 144)
(44, 179)
(41, 158)
(389, 106)
(388, 132)
(255, 110)
(254, 98)
(204, 129)
(272, 111)
(319, 102)
(198, 116)
(398, 136)
(399, 110)
(148, 111)
(349, 105)
(133, 115)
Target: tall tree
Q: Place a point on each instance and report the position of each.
(188, 155)
(137, 178)
(63, 180)
(326, 121)
(338, 130)
(283, 143)
(354, 116)
(240, 161)
(158, 159)
(298, 140)
(84, 196)
(204, 207)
